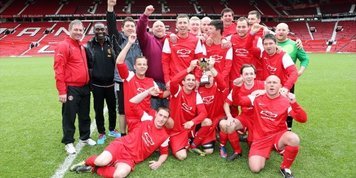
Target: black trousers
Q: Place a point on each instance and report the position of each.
(157, 102)
(78, 102)
(289, 118)
(108, 94)
(120, 98)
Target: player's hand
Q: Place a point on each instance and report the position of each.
(154, 91)
(238, 81)
(149, 10)
(255, 28)
(168, 85)
(132, 38)
(279, 49)
(201, 37)
(291, 98)
(111, 3)
(192, 65)
(283, 91)
(188, 125)
(299, 43)
(62, 98)
(154, 165)
(173, 38)
(225, 44)
(209, 41)
(211, 62)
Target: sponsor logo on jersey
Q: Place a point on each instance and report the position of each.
(140, 90)
(147, 139)
(183, 52)
(271, 69)
(208, 99)
(187, 108)
(268, 115)
(241, 52)
(217, 58)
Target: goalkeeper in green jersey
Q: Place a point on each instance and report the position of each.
(295, 52)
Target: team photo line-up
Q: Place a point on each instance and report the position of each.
(209, 83)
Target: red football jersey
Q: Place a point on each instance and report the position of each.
(242, 91)
(270, 114)
(241, 55)
(279, 64)
(146, 139)
(177, 56)
(185, 107)
(214, 97)
(230, 30)
(223, 59)
(132, 86)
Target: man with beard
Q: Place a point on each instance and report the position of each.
(101, 62)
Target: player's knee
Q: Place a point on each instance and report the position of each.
(255, 169)
(181, 155)
(206, 122)
(293, 139)
(121, 173)
(209, 151)
(103, 159)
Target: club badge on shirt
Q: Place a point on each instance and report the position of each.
(109, 53)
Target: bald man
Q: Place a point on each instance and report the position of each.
(269, 129)
(294, 52)
(151, 46)
(204, 25)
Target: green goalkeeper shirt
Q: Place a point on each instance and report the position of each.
(295, 53)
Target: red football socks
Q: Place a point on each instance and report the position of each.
(290, 153)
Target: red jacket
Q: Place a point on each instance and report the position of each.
(70, 65)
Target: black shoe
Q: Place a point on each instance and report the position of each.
(234, 156)
(75, 166)
(287, 173)
(84, 169)
(243, 137)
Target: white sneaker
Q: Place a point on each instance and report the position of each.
(89, 141)
(70, 148)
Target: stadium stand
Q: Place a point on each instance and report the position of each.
(33, 27)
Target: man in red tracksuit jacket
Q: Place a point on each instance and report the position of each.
(72, 78)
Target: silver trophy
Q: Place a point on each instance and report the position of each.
(205, 79)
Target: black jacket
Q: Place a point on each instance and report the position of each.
(101, 61)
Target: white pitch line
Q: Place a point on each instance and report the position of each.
(62, 169)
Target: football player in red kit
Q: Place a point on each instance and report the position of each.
(213, 95)
(269, 128)
(243, 86)
(120, 156)
(187, 110)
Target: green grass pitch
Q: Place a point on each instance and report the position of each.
(30, 126)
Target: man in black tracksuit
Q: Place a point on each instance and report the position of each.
(102, 63)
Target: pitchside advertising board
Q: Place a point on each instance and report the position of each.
(47, 46)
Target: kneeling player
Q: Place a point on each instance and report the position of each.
(269, 129)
